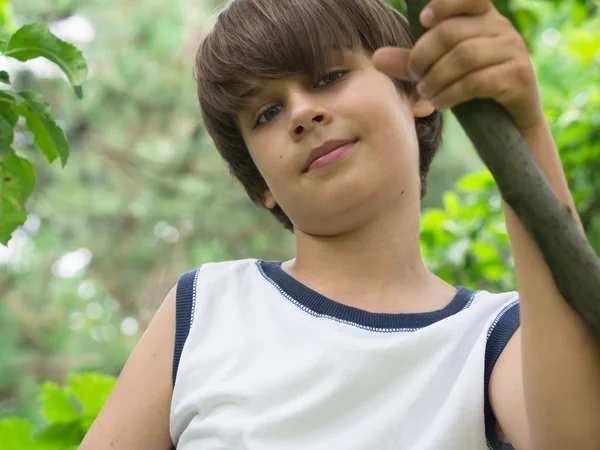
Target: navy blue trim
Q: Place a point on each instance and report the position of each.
(504, 327)
(185, 302)
(323, 306)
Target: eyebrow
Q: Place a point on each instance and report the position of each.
(252, 92)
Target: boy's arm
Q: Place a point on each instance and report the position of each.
(559, 355)
(136, 414)
(549, 372)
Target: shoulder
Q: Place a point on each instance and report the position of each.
(211, 272)
(503, 322)
(504, 402)
(191, 289)
(506, 394)
(497, 298)
(229, 267)
(143, 385)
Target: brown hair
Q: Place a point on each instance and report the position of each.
(272, 39)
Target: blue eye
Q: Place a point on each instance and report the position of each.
(329, 78)
(332, 77)
(265, 113)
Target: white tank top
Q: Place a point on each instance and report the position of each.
(262, 362)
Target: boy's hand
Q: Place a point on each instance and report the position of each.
(470, 50)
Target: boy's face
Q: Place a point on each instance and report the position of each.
(353, 101)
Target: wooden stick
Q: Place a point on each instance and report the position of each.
(571, 259)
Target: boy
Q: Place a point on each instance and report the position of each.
(354, 344)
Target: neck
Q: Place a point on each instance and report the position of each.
(377, 267)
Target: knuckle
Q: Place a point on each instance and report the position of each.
(514, 39)
(474, 86)
(446, 34)
(522, 71)
(504, 22)
(505, 94)
(464, 54)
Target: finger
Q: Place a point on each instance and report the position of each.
(438, 10)
(490, 82)
(441, 39)
(393, 61)
(468, 56)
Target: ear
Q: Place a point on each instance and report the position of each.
(269, 200)
(422, 108)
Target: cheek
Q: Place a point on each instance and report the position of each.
(389, 122)
(379, 105)
(391, 137)
(269, 159)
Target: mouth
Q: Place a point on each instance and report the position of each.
(328, 153)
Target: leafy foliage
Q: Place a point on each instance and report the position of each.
(148, 197)
(466, 240)
(68, 412)
(35, 40)
(48, 137)
(16, 178)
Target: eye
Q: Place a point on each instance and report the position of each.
(268, 114)
(332, 77)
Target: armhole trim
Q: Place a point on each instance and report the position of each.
(503, 328)
(185, 302)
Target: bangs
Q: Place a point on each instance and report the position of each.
(254, 41)
(257, 40)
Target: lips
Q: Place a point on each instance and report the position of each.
(326, 148)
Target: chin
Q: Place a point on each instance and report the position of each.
(335, 221)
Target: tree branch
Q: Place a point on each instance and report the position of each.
(571, 259)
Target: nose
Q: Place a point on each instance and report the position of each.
(307, 112)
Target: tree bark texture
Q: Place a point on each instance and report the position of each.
(571, 259)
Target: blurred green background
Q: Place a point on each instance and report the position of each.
(146, 197)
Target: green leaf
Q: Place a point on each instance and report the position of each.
(7, 109)
(6, 20)
(48, 136)
(493, 272)
(4, 78)
(504, 7)
(64, 435)
(17, 180)
(527, 21)
(400, 5)
(35, 40)
(56, 405)
(484, 251)
(6, 137)
(433, 219)
(579, 12)
(585, 44)
(476, 182)
(7, 97)
(15, 434)
(451, 203)
(8, 121)
(91, 390)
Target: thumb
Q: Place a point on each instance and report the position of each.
(393, 61)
